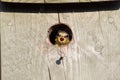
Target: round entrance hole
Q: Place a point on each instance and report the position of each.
(60, 34)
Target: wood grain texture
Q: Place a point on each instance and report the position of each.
(94, 53)
(24, 54)
(95, 49)
(54, 1)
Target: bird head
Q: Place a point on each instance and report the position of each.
(62, 38)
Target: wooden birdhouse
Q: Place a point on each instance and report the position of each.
(60, 39)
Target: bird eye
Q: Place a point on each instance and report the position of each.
(57, 35)
(67, 36)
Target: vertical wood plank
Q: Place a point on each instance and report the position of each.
(7, 71)
(96, 45)
(24, 48)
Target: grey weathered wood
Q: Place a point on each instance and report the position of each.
(54, 1)
(96, 45)
(24, 46)
(94, 53)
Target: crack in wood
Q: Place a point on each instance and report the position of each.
(49, 73)
(64, 70)
(44, 1)
(59, 18)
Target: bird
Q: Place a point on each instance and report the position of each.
(62, 38)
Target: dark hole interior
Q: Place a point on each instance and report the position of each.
(53, 32)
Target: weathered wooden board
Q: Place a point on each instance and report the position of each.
(94, 53)
(54, 1)
(26, 43)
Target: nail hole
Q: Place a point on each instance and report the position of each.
(60, 34)
(59, 61)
